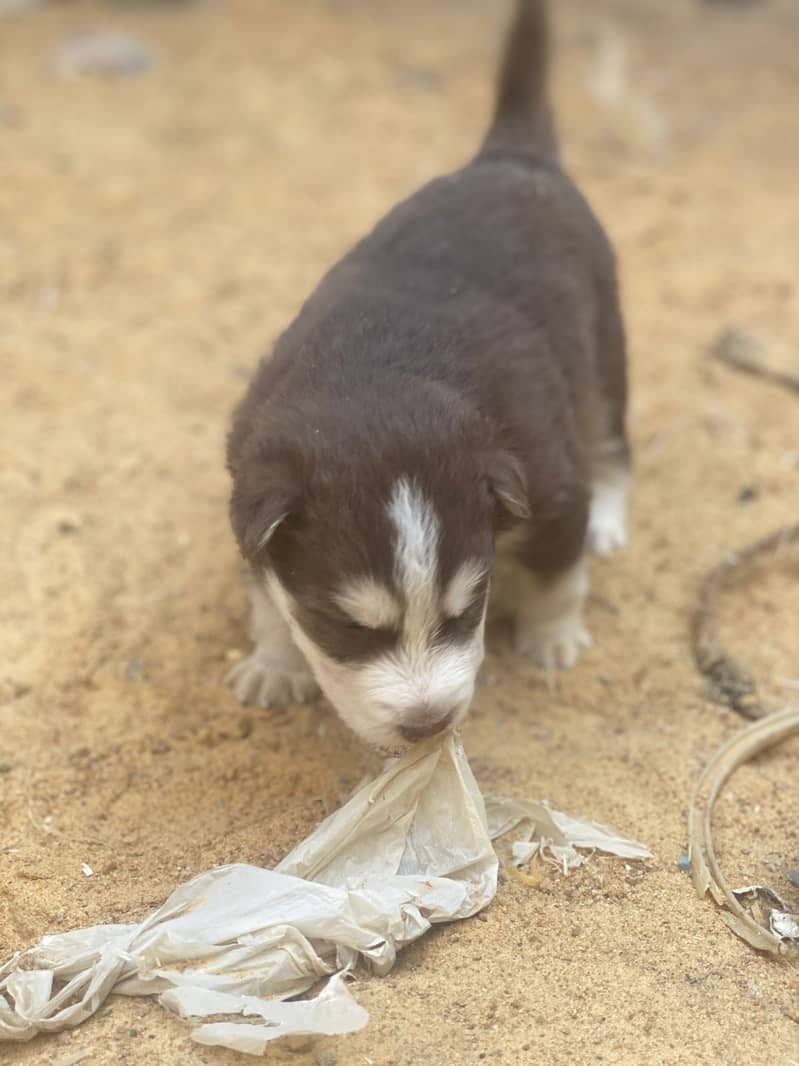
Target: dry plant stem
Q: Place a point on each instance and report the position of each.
(730, 681)
(738, 361)
(733, 685)
(705, 871)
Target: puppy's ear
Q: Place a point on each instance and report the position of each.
(508, 484)
(257, 509)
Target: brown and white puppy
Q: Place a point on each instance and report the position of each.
(452, 392)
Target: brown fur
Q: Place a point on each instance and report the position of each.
(473, 343)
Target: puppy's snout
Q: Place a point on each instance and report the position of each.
(425, 722)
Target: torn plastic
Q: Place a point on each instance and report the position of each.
(333, 1012)
(409, 849)
(769, 910)
(553, 835)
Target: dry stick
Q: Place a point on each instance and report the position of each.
(705, 871)
(733, 684)
(733, 356)
(730, 681)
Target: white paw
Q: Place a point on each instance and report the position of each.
(555, 645)
(607, 520)
(607, 533)
(262, 681)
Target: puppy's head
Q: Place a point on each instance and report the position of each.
(381, 570)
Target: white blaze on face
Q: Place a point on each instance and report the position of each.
(421, 675)
(377, 697)
(415, 564)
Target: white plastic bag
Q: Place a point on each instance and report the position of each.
(409, 849)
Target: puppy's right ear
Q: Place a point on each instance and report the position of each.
(257, 510)
(508, 484)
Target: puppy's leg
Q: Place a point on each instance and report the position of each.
(549, 616)
(275, 673)
(610, 485)
(610, 458)
(546, 563)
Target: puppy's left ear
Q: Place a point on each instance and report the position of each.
(257, 511)
(508, 484)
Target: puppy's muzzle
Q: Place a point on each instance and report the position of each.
(425, 722)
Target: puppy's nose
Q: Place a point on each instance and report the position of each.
(425, 722)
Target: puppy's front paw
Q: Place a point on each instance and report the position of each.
(607, 533)
(261, 680)
(554, 645)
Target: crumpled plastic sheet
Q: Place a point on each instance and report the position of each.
(408, 850)
(553, 835)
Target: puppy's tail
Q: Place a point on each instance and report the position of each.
(522, 117)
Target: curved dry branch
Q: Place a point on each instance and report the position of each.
(705, 871)
(730, 681)
(732, 684)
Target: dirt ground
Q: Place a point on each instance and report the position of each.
(155, 233)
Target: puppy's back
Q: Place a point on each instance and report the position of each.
(501, 263)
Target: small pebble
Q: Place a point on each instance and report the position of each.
(746, 494)
(415, 77)
(134, 669)
(793, 877)
(736, 344)
(103, 53)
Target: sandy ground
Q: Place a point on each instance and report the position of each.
(155, 234)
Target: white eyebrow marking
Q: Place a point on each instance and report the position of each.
(461, 589)
(369, 603)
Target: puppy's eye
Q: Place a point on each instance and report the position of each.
(463, 625)
(359, 641)
(360, 629)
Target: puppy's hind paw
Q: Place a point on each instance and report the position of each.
(555, 646)
(261, 681)
(606, 534)
(607, 521)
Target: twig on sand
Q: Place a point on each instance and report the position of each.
(730, 681)
(732, 684)
(705, 871)
(741, 351)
